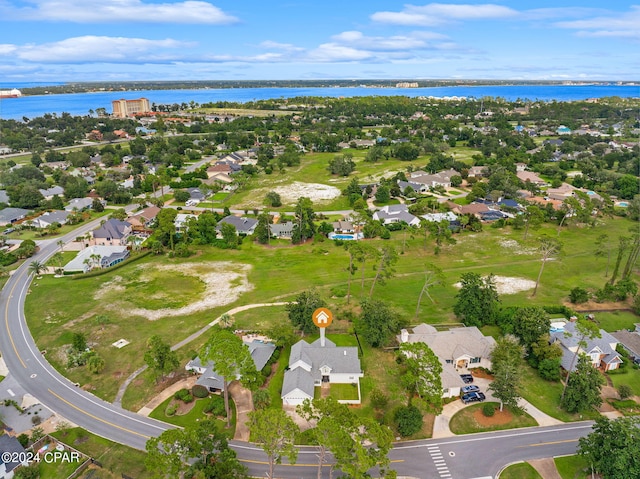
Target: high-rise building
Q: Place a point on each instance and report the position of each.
(124, 108)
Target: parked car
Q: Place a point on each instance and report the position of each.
(473, 397)
(8, 231)
(467, 378)
(469, 389)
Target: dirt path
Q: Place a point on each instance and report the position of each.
(166, 394)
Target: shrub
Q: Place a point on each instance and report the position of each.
(578, 295)
(215, 406)
(378, 399)
(338, 291)
(408, 420)
(171, 409)
(199, 391)
(625, 391)
(261, 399)
(23, 439)
(183, 395)
(549, 369)
(488, 409)
(266, 370)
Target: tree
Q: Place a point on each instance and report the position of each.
(533, 217)
(377, 322)
(383, 194)
(95, 363)
(408, 420)
(159, 357)
(506, 364)
(231, 358)
(583, 387)
(612, 448)
(282, 334)
(342, 165)
(433, 276)
(388, 257)
(275, 431)
(530, 323)
(547, 248)
(301, 310)
(166, 229)
(422, 376)
(273, 199)
(477, 301)
(603, 248)
(229, 235)
(262, 232)
(624, 242)
(119, 214)
(37, 267)
(304, 226)
(585, 330)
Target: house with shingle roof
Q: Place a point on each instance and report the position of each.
(396, 214)
(112, 232)
(260, 352)
(244, 226)
(13, 449)
(50, 217)
(312, 365)
(630, 341)
(601, 351)
(458, 349)
(142, 220)
(11, 215)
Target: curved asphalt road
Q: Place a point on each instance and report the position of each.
(465, 457)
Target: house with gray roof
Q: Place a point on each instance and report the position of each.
(10, 445)
(244, 226)
(312, 365)
(396, 214)
(79, 204)
(260, 351)
(282, 230)
(11, 215)
(4, 197)
(417, 187)
(51, 192)
(630, 341)
(50, 217)
(96, 257)
(601, 351)
(459, 349)
(112, 232)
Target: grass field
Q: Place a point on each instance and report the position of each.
(522, 470)
(115, 458)
(464, 422)
(194, 415)
(100, 307)
(572, 467)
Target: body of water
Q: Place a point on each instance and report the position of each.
(82, 103)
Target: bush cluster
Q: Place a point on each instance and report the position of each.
(183, 395)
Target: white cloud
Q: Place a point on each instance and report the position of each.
(129, 11)
(101, 49)
(280, 46)
(438, 13)
(619, 24)
(334, 52)
(7, 48)
(394, 43)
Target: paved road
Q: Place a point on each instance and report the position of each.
(473, 456)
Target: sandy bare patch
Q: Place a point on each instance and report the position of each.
(509, 285)
(314, 191)
(224, 283)
(514, 247)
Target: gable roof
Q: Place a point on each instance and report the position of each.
(630, 340)
(606, 344)
(243, 225)
(146, 215)
(11, 445)
(9, 215)
(50, 217)
(112, 228)
(452, 344)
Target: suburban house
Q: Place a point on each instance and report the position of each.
(601, 351)
(531, 177)
(282, 230)
(438, 217)
(564, 191)
(396, 214)
(96, 257)
(630, 341)
(196, 194)
(476, 209)
(50, 217)
(477, 171)
(79, 204)
(342, 226)
(10, 446)
(11, 215)
(143, 220)
(51, 192)
(181, 221)
(244, 226)
(459, 349)
(260, 352)
(112, 232)
(417, 187)
(442, 178)
(314, 365)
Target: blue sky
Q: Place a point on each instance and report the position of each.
(94, 40)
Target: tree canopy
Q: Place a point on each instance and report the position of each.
(477, 301)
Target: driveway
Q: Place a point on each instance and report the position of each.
(244, 405)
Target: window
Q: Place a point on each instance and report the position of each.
(449, 361)
(474, 360)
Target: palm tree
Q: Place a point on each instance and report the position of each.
(37, 267)
(60, 244)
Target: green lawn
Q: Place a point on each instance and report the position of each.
(463, 422)
(522, 470)
(36, 234)
(572, 467)
(103, 307)
(339, 392)
(58, 469)
(616, 320)
(545, 395)
(629, 376)
(194, 415)
(114, 457)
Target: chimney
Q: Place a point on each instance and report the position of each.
(404, 336)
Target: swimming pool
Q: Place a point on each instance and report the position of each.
(349, 237)
(622, 204)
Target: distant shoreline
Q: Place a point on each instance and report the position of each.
(97, 87)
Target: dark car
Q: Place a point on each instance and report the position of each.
(469, 389)
(473, 397)
(466, 378)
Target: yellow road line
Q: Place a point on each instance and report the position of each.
(549, 443)
(6, 319)
(99, 419)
